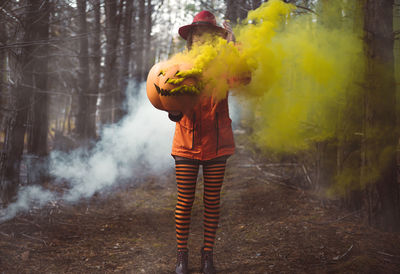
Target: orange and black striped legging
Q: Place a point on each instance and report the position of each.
(186, 177)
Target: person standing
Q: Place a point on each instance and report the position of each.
(202, 137)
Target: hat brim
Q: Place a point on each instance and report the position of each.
(185, 30)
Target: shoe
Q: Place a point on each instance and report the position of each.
(207, 263)
(182, 262)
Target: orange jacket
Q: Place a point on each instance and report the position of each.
(206, 133)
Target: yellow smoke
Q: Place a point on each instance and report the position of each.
(218, 61)
(302, 67)
(304, 71)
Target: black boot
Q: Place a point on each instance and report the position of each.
(207, 263)
(182, 262)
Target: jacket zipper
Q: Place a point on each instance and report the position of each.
(216, 151)
(194, 119)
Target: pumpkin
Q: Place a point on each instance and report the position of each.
(173, 87)
(152, 94)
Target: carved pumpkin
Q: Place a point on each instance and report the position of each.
(150, 87)
(173, 87)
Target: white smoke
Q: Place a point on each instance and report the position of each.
(137, 146)
(27, 197)
(236, 107)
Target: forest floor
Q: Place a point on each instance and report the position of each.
(265, 227)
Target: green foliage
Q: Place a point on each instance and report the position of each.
(191, 9)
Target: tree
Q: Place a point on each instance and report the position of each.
(21, 97)
(148, 54)
(39, 120)
(3, 67)
(379, 170)
(110, 74)
(96, 60)
(140, 36)
(232, 8)
(85, 122)
(350, 120)
(126, 53)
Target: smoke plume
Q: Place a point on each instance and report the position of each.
(306, 71)
(302, 68)
(137, 146)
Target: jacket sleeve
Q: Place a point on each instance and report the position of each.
(175, 118)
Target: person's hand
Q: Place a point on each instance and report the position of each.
(175, 116)
(227, 26)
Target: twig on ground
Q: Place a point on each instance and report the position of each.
(34, 238)
(283, 184)
(268, 165)
(280, 164)
(269, 174)
(307, 176)
(347, 215)
(343, 255)
(387, 254)
(279, 179)
(4, 234)
(336, 220)
(63, 223)
(25, 220)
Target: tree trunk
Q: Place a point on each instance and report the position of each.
(350, 125)
(140, 43)
(236, 10)
(147, 47)
(85, 122)
(396, 28)
(37, 138)
(110, 73)
(21, 96)
(232, 11)
(127, 40)
(96, 75)
(3, 74)
(256, 4)
(243, 9)
(379, 172)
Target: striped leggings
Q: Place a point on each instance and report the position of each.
(186, 177)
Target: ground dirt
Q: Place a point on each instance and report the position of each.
(266, 226)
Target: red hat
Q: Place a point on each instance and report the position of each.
(204, 18)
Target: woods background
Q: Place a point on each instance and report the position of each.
(65, 66)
